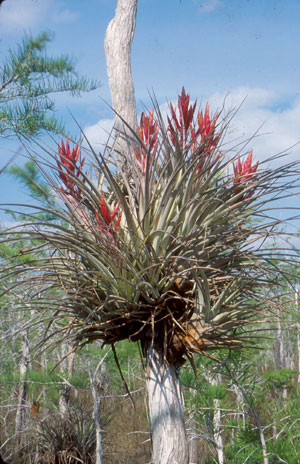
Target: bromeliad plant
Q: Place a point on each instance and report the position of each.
(162, 254)
(168, 253)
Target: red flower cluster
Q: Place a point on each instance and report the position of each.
(106, 221)
(179, 130)
(207, 129)
(184, 132)
(67, 169)
(244, 175)
(148, 134)
(208, 139)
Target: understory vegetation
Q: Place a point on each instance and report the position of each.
(58, 419)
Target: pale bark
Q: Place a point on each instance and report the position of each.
(298, 330)
(281, 352)
(65, 392)
(96, 409)
(240, 405)
(217, 425)
(117, 45)
(279, 358)
(166, 410)
(64, 401)
(22, 390)
(193, 439)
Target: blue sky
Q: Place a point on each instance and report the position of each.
(215, 48)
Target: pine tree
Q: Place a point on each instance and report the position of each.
(28, 80)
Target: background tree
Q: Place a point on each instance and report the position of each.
(28, 79)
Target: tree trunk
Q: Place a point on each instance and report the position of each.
(96, 416)
(166, 410)
(241, 413)
(117, 45)
(96, 407)
(298, 349)
(217, 425)
(280, 348)
(298, 330)
(193, 439)
(22, 390)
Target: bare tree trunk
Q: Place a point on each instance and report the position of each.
(193, 439)
(240, 413)
(169, 441)
(117, 45)
(65, 392)
(278, 344)
(298, 349)
(64, 401)
(96, 409)
(24, 362)
(298, 330)
(217, 432)
(281, 357)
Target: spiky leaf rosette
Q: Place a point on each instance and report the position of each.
(169, 252)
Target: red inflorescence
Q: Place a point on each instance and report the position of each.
(106, 221)
(67, 168)
(244, 174)
(148, 134)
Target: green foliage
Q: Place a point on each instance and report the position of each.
(237, 453)
(29, 177)
(28, 77)
(79, 379)
(282, 378)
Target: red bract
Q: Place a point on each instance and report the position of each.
(67, 168)
(106, 221)
(184, 132)
(207, 128)
(148, 133)
(208, 139)
(206, 125)
(244, 174)
(179, 130)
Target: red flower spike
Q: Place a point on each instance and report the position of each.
(148, 133)
(243, 174)
(67, 168)
(206, 125)
(179, 130)
(208, 139)
(105, 223)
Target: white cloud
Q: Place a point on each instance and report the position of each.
(207, 6)
(270, 126)
(98, 134)
(65, 16)
(18, 16)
